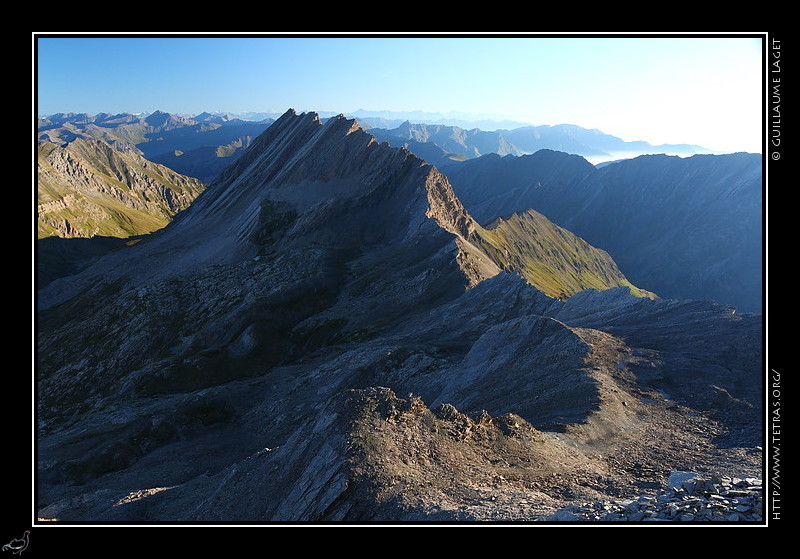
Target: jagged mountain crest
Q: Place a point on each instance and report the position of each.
(302, 175)
(301, 162)
(325, 156)
(243, 362)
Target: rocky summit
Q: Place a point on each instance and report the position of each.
(324, 335)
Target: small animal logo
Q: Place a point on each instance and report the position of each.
(18, 545)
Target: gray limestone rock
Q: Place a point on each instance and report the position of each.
(251, 362)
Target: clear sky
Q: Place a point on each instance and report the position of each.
(705, 91)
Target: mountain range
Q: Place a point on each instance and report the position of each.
(681, 227)
(457, 144)
(200, 146)
(703, 238)
(332, 332)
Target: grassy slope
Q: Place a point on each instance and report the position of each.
(555, 261)
(100, 213)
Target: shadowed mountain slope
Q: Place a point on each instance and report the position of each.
(680, 227)
(322, 337)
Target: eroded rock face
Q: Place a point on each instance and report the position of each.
(87, 188)
(306, 343)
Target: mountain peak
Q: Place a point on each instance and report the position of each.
(333, 178)
(251, 352)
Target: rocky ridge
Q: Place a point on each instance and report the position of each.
(245, 362)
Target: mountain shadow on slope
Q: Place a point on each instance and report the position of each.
(57, 257)
(680, 227)
(244, 362)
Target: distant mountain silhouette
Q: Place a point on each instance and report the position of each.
(470, 143)
(591, 144)
(574, 139)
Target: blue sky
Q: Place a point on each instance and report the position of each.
(705, 91)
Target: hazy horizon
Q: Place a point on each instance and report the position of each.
(704, 90)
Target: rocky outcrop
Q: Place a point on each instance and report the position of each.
(695, 498)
